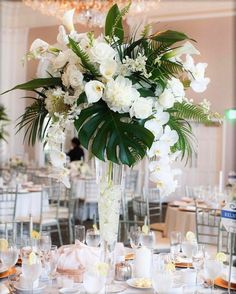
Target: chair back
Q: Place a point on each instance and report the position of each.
(91, 191)
(154, 204)
(7, 204)
(207, 225)
(131, 181)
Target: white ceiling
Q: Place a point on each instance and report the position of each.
(16, 14)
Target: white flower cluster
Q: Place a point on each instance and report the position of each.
(80, 168)
(114, 86)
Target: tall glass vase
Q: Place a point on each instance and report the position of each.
(110, 180)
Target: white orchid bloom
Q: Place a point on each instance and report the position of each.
(141, 108)
(199, 83)
(38, 47)
(94, 91)
(170, 137)
(155, 127)
(176, 88)
(167, 99)
(62, 37)
(57, 158)
(108, 69)
(160, 165)
(67, 20)
(187, 48)
(158, 149)
(164, 182)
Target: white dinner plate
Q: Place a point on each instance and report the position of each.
(132, 283)
(24, 290)
(69, 290)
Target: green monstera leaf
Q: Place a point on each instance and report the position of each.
(111, 135)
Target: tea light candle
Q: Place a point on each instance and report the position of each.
(142, 263)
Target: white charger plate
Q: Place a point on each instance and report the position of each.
(131, 283)
(25, 290)
(3, 268)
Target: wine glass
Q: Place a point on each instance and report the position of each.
(162, 281)
(53, 261)
(198, 259)
(31, 268)
(9, 255)
(93, 237)
(80, 233)
(148, 239)
(213, 269)
(134, 237)
(45, 242)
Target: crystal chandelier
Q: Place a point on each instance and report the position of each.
(88, 12)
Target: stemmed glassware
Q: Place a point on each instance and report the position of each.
(9, 254)
(134, 237)
(189, 249)
(198, 259)
(175, 243)
(44, 245)
(93, 237)
(80, 233)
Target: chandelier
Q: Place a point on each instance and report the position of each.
(88, 12)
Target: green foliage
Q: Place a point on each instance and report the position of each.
(113, 24)
(34, 121)
(36, 84)
(3, 122)
(112, 135)
(83, 57)
(170, 37)
(191, 112)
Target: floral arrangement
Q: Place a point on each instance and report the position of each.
(124, 95)
(16, 162)
(79, 168)
(3, 122)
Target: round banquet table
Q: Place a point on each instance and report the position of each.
(179, 220)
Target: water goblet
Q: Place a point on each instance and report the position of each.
(9, 255)
(162, 281)
(148, 239)
(198, 259)
(134, 237)
(93, 238)
(93, 281)
(31, 269)
(189, 249)
(213, 269)
(80, 233)
(45, 241)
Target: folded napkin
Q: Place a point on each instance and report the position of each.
(77, 257)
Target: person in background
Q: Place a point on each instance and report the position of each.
(76, 153)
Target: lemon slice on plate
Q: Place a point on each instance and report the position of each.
(220, 256)
(190, 236)
(170, 267)
(3, 244)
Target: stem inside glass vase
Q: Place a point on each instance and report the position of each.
(110, 180)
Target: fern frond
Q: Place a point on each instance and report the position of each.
(119, 17)
(85, 60)
(146, 31)
(192, 112)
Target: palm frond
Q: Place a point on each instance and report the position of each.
(119, 17)
(146, 30)
(35, 120)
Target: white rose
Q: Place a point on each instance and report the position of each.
(102, 52)
(72, 77)
(67, 20)
(166, 99)
(60, 60)
(108, 69)
(141, 108)
(94, 91)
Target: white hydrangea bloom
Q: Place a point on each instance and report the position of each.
(120, 94)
